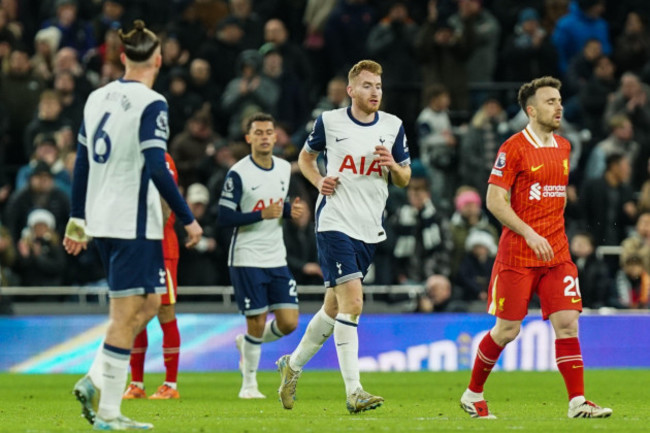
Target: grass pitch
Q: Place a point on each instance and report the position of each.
(415, 402)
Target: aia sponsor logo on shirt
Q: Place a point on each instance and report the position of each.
(260, 205)
(537, 191)
(362, 166)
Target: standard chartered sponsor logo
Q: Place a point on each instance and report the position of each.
(535, 192)
(538, 191)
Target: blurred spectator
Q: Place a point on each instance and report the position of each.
(633, 100)
(476, 267)
(66, 61)
(111, 17)
(314, 19)
(391, 42)
(583, 22)
(607, 203)
(47, 121)
(421, 233)
(110, 72)
(437, 297)
(302, 254)
(553, 11)
(336, 97)
(46, 151)
(482, 60)
(46, 43)
(639, 242)
(75, 33)
(294, 59)
(7, 259)
(291, 107)
(223, 51)
(72, 106)
(196, 266)
(250, 22)
(20, 92)
(632, 46)
(593, 274)
(438, 150)
(581, 67)
(285, 148)
(346, 32)
(443, 54)
(595, 95)
(632, 284)
(528, 52)
(468, 216)
(190, 147)
(182, 102)
(478, 148)
(174, 56)
(39, 193)
(620, 140)
(107, 52)
(41, 259)
(201, 84)
(249, 92)
(644, 196)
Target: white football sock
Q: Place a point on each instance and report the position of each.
(271, 332)
(116, 364)
(318, 331)
(96, 368)
(347, 350)
(172, 385)
(472, 396)
(251, 350)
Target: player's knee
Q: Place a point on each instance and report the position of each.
(287, 326)
(504, 335)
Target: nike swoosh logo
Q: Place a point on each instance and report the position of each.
(576, 366)
(255, 187)
(575, 301)
(326, 336)
(341, 344)
(341, 139)
(536, 168)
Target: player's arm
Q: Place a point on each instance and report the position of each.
(153, 141)
(75, 238)
(396, 160)
(230, 214)
(498, 202)
(309, 154)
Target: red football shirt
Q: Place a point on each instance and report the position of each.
(170, 241)
(537, 178)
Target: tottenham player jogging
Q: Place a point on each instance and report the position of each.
(253, 200)
(363, 148)
(119, 172)
(527, 194)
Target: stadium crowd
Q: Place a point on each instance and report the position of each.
(451, 72)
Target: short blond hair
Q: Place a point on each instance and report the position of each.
(364, 65)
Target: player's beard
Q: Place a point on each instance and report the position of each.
(550, 124)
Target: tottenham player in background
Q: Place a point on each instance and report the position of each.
(527, 194)
(364, 147)
(119, 175)
(253, 200)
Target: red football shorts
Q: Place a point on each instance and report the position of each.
(169, 298)
(512, 287)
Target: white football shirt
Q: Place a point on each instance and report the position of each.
(121, 120)
(357, 206)
(249, 188)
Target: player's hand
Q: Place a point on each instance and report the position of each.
(327, 185)
(273, 211)
(384, 156)
(75, 238)
(540, 247)
(194, 233)
(297, 208)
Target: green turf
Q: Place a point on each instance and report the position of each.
(415, 402)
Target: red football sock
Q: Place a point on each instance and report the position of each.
(486, 356)
(171, 349)
(569, 361)
(137, 356)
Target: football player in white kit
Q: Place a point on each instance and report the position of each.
(119, 175)
(253, 200)
(363, 147)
